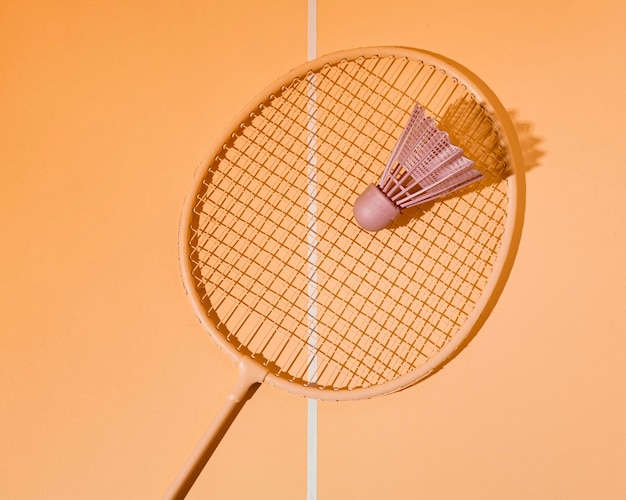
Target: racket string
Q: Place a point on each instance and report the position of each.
(375, 319)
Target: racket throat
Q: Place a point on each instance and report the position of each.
(251, 376)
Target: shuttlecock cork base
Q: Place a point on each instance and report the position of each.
(373, 210)
(423, 167)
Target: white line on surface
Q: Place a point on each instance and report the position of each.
(312, 261)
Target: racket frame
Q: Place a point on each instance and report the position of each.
(500, 271)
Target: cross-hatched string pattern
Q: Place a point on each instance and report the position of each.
(386, 302)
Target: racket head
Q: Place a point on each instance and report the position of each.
(277, 269)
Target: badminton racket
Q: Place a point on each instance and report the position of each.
(284, 279)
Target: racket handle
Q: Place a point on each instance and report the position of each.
(251, 375)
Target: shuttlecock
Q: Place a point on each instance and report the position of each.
(423, 167)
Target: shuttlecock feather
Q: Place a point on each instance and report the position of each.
(423, 167)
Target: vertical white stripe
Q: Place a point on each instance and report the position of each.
(311, 29)
(311, 487)
(312, 264)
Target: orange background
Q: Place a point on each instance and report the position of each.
(107, 380)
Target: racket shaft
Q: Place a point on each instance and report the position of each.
(251, 376)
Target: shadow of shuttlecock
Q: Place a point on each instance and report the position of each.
(472, 128)
(529, 142)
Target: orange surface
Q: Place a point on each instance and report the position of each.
(106, 378)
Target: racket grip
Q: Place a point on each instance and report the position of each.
(251, 375)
